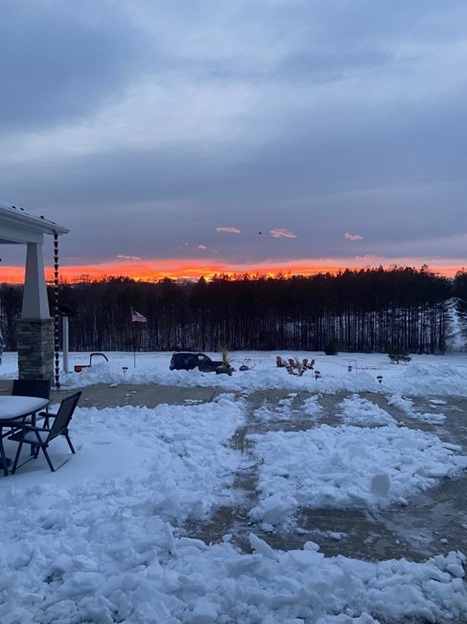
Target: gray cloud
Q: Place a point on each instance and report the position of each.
(60, 60)
(143, 126)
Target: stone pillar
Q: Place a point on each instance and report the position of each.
(35, 341)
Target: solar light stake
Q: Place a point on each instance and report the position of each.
(379, 378)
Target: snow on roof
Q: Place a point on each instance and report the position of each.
(10, 214)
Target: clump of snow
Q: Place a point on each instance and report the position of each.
(358, 411)
(312, 408)
(407, 406)
(347, 466)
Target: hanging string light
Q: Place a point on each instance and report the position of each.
(56, 315)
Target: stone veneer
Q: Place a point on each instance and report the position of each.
(35, 344)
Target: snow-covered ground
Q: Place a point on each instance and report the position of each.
(425, 375)
(102, 540)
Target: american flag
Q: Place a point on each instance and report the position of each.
(136, 317)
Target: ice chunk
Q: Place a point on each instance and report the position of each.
(380, 484)
(260, 546)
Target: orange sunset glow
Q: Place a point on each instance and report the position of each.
(177, 269)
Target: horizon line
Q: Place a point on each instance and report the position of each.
(193, 270)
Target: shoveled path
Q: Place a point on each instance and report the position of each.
(434, 522)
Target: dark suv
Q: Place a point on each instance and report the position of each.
(189, 361)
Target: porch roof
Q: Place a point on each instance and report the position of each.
(19, 227)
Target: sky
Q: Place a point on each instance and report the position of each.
(337, 509)
(188, 137)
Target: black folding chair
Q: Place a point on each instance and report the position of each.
(40, 437)
(31, 387)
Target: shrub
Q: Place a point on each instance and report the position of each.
(225, 356)
(397, 355)
(332, 347)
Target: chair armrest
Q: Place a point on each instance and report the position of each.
(30, 428)
(45, 416)
(27, 434)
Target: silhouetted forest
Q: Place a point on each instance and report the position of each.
(369, 310)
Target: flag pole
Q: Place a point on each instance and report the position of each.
(136, 317)
(132, 312)
(134, 345)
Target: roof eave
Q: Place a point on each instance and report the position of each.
(15, 215)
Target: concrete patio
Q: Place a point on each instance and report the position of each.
(435, 522)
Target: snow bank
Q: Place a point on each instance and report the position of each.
(347, 466)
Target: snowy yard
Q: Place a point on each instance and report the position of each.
(105, 538)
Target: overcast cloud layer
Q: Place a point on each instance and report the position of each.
(243, 131)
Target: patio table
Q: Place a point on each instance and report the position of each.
(13, 410)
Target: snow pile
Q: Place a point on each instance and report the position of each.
(179, 454)
(358, 411)
(406, 405)
(94, 560)
(428, 378)
(347, 466)
(423, 376)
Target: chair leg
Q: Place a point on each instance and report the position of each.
(18, 453)
(35, 448)
(4, 459)
(44, 450)
(69, 442)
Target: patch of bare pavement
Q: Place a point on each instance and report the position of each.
(102, 395)
(105, 395)
(434, 521)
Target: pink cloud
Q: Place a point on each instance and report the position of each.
(353, 237)
(281, 233)
(228, 230)
(126, 257)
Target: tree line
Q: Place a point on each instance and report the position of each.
(367, 310)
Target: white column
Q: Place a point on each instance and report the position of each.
(35, 302)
